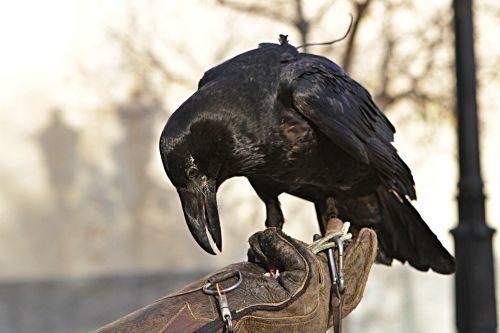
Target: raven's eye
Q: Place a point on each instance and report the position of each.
(192, 172)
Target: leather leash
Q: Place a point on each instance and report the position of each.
(334, 240)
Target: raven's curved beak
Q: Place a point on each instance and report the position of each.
(199, 205)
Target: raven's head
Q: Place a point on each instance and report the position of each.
(196, 177)
(198, 156)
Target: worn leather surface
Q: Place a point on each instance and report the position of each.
(298, 300)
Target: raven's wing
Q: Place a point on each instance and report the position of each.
(344, 111)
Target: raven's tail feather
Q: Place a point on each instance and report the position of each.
(405, 236)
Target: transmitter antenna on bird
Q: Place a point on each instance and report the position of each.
(330, 42)
(283, 39)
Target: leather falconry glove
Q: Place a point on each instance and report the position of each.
(284, 287)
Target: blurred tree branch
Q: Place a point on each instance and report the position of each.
(395, 67)
(144, 60)
(145, 56)
(277, 12)
(274, 12)
(361, 11)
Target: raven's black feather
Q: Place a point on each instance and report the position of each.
(297, 123)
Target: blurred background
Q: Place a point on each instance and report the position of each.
(91, 228)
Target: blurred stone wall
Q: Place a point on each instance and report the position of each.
(82, 304)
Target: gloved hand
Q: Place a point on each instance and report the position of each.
(284, 287)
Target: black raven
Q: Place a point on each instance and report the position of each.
(296, 123)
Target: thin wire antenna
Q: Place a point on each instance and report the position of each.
(333, 41)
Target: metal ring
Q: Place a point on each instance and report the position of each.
(207, 290)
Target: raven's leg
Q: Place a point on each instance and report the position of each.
(267, 193)
(274, 214)
(325, 210)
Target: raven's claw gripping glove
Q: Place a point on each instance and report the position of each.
(284, 288)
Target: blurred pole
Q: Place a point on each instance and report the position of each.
(475, 287)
